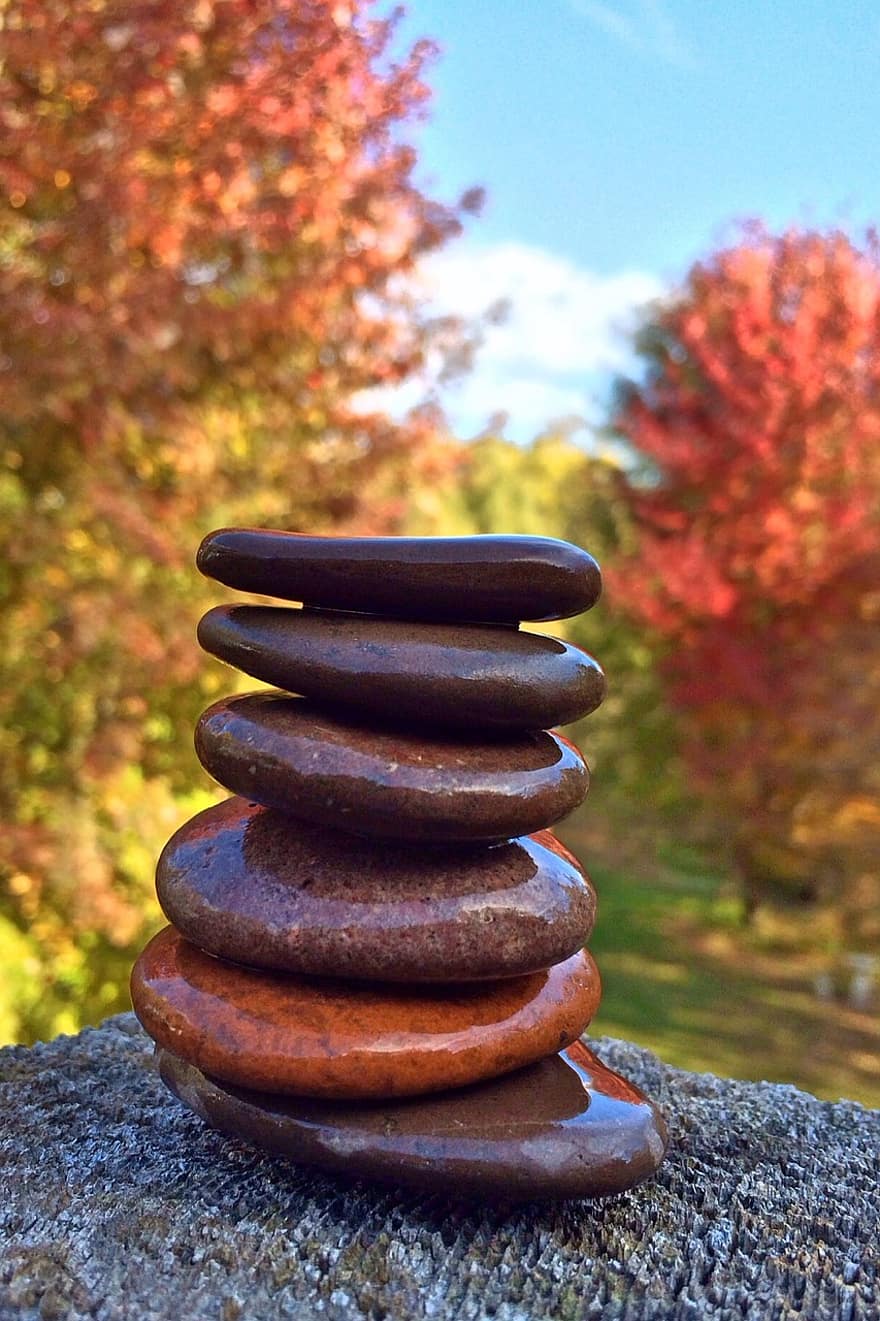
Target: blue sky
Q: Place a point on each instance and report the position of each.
(618, 140)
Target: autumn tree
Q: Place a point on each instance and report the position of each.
(758, 417)
(207, 211)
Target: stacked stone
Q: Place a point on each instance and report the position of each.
(376, 960)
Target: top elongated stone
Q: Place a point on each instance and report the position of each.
(489, 579)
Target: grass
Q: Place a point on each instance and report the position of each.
(682, 977)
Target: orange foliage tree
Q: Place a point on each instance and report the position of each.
(759, 549)
(206, 211)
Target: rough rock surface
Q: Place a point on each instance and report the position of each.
(117, 1204)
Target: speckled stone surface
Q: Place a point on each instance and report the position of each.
(487, 578)
(566, 1127)
(260, 888)
(120, 1205)
(286, 753)
(461, 676)
(276, 1032)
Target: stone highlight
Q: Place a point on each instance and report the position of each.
(490, 579)
(349, 1040)
(289, 754)
(470, 676)
(250, 885)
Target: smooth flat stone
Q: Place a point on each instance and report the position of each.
(251, 885)
(564, 1128)
(461, 675)
(315, 1037)
(487, 578)
(288, 754)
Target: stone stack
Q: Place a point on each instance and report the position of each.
(376, 960)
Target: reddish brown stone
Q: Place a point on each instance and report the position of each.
(277, 1033)
(450, 675)
(489, 579)
(566, 1127)
(288, 754)
(251, 885)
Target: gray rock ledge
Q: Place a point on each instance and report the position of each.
(117, 1203)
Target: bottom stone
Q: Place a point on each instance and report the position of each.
(566, 1127)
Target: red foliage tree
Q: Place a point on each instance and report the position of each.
(199, 196)
(206, 211)
(759, 542)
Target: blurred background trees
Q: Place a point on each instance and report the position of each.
(206, 215)
(209, 217)
(758, 517)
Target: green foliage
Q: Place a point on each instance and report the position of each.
(554, 487)
(681, 976)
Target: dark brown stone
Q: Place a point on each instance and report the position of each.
(251, 885)
(488, 579)
(318, 1037)
(460, 675)
(564, 1128)
(287, 754)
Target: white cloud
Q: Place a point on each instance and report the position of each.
(564, 337)
(561, 318)
(648, 29)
